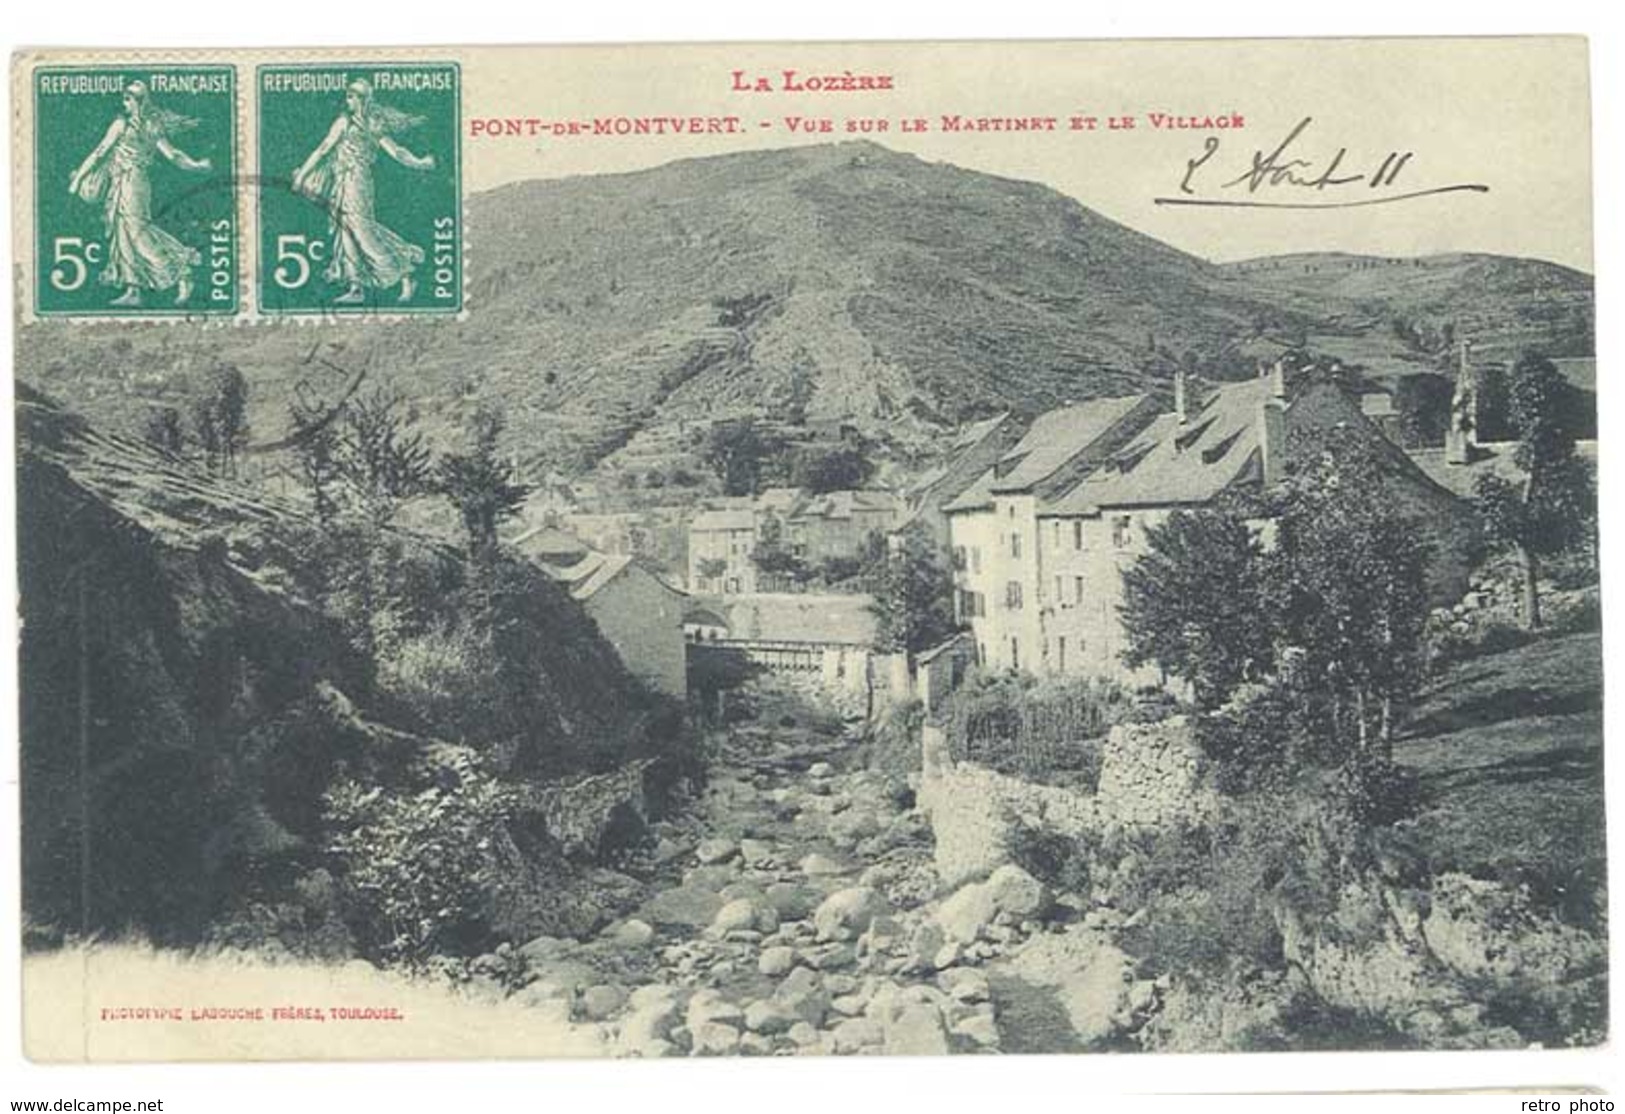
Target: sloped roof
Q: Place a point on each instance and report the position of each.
(549, 543)
(744, 519)
(844, 504)
(1494, 458)
(977, 496)
(1057, 437)
(780, 500)
(1170, 463)
(844, 620)
(971, 435)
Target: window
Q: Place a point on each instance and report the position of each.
(1060, 664)
(1077, 533)
(1012, 510)
(959, 558)
(732, 586)
(975, 559)
(1120, 531)
(1012, 595)
(1058, 583)
(1055, 534)
(1015, 653)
(1015, 545)
(1077, 589)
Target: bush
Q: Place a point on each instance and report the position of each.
(894, 746)
(418, 866)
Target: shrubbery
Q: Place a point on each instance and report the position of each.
(1035, 729)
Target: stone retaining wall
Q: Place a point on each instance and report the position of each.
(1151, 776)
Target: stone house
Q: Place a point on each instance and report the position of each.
(724, 536)
(824, 643)
(1039, 553)
(974, 449)
(637, 612)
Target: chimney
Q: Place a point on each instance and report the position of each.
(1272, 439)
(1278, 379)
(1179, 395)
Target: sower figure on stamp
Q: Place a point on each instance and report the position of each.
(366, 254)
(140, 255)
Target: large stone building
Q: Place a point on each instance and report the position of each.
(1040, 542)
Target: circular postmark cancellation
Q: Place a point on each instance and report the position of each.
(360, 197)
(115, 146)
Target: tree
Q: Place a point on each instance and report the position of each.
(166, 431)
(838, 469)
(220, 418)
(735, 450)
(480, 483)
(712, 568)
(379, 455)
(1194, 604)
(1552, 508)
(1347, 580)
(315, 443)
(772, 556)
(1423, 403)
(914, 597)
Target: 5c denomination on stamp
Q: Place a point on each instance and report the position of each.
(135, 191)
(360, 199)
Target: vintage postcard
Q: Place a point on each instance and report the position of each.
(774, 550)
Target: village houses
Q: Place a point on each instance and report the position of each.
(724, 536)
(1039, 542)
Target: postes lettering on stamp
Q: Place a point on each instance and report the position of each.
(135, 191)
(360, 189)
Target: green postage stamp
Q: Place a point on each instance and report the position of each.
(360, 198)
(135, 189)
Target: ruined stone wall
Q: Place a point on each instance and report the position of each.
(578, 813)
(1151, 775)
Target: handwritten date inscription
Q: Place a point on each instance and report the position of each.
(1289, 177)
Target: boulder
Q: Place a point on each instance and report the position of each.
(776, 962)
(820, 770)
(858, 1034)
(744, 915)
(966, 915)
(1017, 893)
(846, 914)
(768, 1017)
(916, 1030)
(803, 994)
(630, 934)
(714, 1038)
(602, 1001)
(792, 902)
(755, 852)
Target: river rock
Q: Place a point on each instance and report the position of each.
(980, 1029)
(966, 915)
(820, 770)
(602, 1001)
(744, 915)
(776, 962)
(917, 1030)
(803, 994)
(755, 852)
(793, 902)
(630, 934)
(819, 865)
(803, 1034)
(964, 984)
(710, 852)
(714, 1038)
(858, 1034)
(769, 1017)
(846, 914)
(1017, 893)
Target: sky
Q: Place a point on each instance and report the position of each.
(1510, 114)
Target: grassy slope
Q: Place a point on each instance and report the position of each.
(1509, 749)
